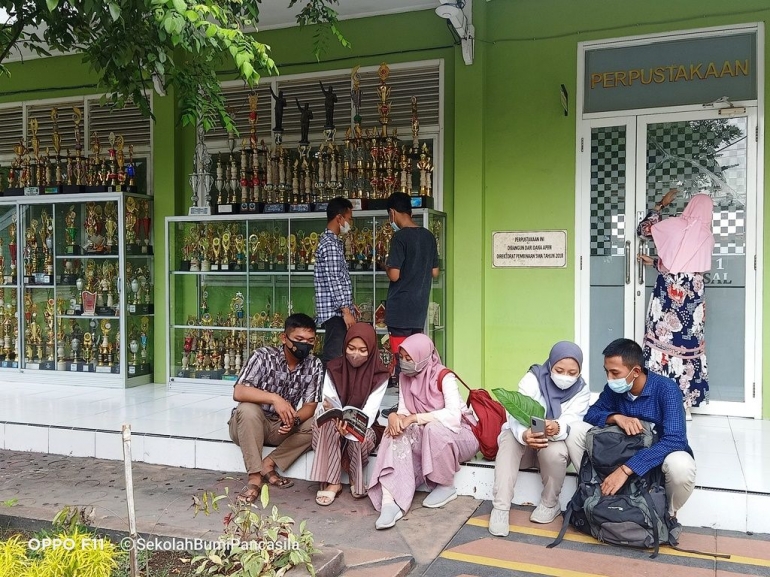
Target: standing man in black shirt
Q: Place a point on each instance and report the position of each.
(412, 264)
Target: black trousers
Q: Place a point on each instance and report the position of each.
(334, 339)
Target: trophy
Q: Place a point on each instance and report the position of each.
(144, 226)
(225, 262)
(12, 247)
(131, 220)
(77, 118)
(71, 232)
(145, 327)
(47, 236)
(56, 137)
(104, 344)
(111, 226)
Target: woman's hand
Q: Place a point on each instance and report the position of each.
(669, 197)
(646, 259)
(535, 440)
(342, 427)
(327, 404)
(551, 428)
(395, 426)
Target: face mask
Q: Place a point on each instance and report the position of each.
(300, 350)
(563, 381)
(356, 360)
(621, 385)
(345, 227)
(410, 368)
(394, 226)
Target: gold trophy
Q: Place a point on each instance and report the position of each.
(131, 220)
(225, 263)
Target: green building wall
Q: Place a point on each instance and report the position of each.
(509, 159)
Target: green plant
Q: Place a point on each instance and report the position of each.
(255, 543)
(521, 407)
(13, 557)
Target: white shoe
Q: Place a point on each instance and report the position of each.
(440, 496)
(543, 514)
(389, 514)
(498, 522)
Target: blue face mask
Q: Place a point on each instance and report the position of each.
(620, 385)
(394, 226)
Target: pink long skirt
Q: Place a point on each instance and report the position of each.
(429, 454)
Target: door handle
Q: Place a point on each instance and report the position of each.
(640, 280)
(628, 261)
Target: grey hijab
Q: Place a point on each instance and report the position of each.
(553, 395)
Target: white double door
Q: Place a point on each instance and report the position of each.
(626, 165)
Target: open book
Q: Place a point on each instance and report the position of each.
(356, 420)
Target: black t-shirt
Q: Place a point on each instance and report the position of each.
(413, 251)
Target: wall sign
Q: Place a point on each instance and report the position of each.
(671, 73)
(529, 249)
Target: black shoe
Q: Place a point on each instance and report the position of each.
(386, 412)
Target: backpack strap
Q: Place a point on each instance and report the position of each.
(655, 535)
(564, 525)
(444, 372)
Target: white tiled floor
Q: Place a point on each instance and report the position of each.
(185, 429)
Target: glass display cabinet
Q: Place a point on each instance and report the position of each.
(233, 280)
(77, 289)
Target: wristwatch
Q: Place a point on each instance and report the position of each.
(297, 422)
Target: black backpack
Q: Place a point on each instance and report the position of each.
(637, 515)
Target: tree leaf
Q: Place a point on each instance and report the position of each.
(114, 11)
(180, 6)
(520, 406)
(52, 4)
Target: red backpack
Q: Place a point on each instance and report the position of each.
(491, 416)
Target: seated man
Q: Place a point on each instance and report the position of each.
(632, 394)
(269, 388)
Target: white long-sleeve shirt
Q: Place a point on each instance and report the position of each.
(371, 408)
(572, 410)
(450, 415)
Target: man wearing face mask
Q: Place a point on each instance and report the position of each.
(632, 395)
(412, 264)
(333, 289)
(269, 389)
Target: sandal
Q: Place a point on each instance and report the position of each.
(275, 480)
(357, 496)
(250, 493)
(326, 497)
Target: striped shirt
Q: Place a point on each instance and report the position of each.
(268, 370)
(660, 402)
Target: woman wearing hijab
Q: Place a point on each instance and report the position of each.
(426, 439)
(673, 341)
(357, 379)
(562, 392)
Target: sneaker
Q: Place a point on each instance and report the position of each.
(543, 514)
(389, 514)
(498, 522)
(440, 496)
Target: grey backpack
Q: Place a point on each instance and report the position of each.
(637, 515)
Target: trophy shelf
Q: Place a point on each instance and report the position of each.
(217, 318)
(80, 302)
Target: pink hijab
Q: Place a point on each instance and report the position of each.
(420, 392)
(685, 243)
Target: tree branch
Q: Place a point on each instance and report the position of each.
(16, 31)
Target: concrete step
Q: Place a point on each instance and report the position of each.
(328, 563)
(375, 563)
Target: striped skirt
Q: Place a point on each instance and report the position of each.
(334, 453)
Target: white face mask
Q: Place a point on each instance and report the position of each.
(345, 227)
(563, 381)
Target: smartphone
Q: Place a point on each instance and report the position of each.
(538, 425)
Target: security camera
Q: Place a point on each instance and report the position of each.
(454, 14)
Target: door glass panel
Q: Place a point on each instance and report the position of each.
(607, 256)
(710, 156)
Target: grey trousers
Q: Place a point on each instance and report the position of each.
(679, 469)
(513, 456)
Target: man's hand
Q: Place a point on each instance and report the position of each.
(630, 425)
(614, 482)
(285, 429)
(285, 411)
(551, 428)
(535, 440)
(348, 317)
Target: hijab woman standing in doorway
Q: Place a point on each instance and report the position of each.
(673, 341)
